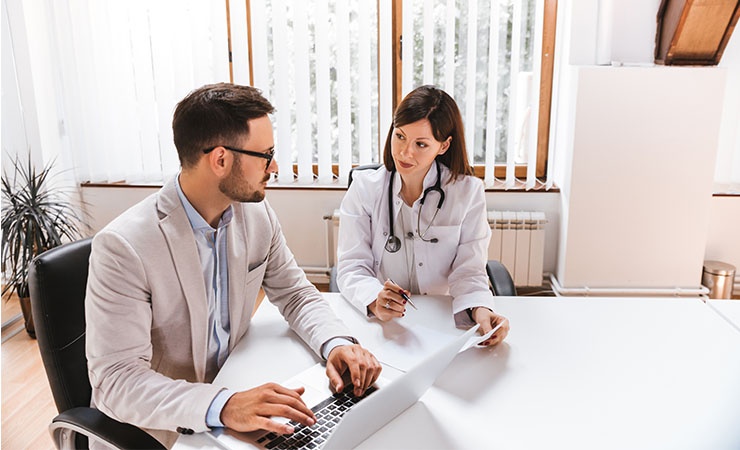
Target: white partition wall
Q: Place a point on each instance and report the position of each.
(636, 195)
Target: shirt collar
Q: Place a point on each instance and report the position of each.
(197, 222)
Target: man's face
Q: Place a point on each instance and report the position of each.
(249, 174)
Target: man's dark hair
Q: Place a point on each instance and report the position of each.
(213, 115)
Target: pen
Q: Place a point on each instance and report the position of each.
(403, 294)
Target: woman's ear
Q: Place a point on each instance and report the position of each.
(445, 146)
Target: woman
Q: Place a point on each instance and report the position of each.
(418, 225)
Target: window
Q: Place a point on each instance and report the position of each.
(120, 67)
(483, 54)
(317, 62)
(327, 63)
(334, 69)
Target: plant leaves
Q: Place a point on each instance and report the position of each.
(35, 218)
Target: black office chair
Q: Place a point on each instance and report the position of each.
(499, 278)
(57, 282)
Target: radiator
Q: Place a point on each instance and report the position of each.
(518, 241)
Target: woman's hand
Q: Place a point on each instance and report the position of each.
(487, 320)
(389, 304)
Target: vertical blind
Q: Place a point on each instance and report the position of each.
(326, 65)
(122, 67)
(485, 54)
(322, 61)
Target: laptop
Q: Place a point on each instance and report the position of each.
(350, 420)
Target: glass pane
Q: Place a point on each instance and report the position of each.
(481, 24)
(355, 39)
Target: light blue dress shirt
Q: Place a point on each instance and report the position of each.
(211, 244)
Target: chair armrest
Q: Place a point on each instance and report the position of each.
(501, 281)
(97, 426)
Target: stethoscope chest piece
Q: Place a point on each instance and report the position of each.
(392, 244)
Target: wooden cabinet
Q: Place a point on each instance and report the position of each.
(694, 32)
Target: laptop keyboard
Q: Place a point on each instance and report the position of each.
(328, 413)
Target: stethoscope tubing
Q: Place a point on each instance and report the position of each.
(393, 243)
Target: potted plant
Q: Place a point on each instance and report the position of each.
(35, 217)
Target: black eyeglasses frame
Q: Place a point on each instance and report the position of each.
(269, 155)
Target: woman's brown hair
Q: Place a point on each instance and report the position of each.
(435, 105)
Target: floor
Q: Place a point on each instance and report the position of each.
(27, 404)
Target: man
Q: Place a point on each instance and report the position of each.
(173, 283)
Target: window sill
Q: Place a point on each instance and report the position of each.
(307, 187)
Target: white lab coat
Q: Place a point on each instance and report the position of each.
(455, 265)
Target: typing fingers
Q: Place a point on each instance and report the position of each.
(364, 371)
(370, 376)
(289, 402)
(363, 367)
(334, 374)
(251, 410)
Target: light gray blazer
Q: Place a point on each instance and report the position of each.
(147, 315)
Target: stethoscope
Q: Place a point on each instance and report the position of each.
(393, 244)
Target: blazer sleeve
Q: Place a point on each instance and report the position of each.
(118, 312)
(308, 313)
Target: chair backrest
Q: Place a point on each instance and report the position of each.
(500, 279)
(57, 283)
(365, 167)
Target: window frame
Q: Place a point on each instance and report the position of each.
(545, 88)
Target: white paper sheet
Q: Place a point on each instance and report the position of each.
(411, 347)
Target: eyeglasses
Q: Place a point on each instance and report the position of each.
(268, 155)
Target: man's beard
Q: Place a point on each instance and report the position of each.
(238, 189)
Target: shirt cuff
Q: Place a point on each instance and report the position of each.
(213, 415)
(334, 342)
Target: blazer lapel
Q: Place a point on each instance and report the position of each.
(179, 236)
(238, 253)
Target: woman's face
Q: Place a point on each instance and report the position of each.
(414, 148)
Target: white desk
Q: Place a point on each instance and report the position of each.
(575, 373)
(729, 309)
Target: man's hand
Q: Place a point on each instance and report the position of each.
(487, 320)
(251, 410)
(364, 369)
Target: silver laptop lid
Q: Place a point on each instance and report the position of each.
(385, 404)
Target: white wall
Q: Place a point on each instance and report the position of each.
(727, 169)
(621, 33)
(634, 220)
(301, 215)
(626, 31)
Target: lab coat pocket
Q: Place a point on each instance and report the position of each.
(442, 252)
